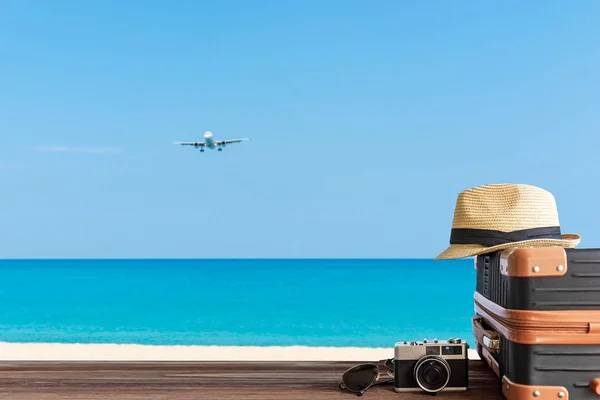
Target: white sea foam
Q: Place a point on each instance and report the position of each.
(133, 352)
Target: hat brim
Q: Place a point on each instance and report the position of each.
(455, 251)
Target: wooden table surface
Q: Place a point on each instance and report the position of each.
(206, 380)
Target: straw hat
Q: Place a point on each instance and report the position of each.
(494, 217)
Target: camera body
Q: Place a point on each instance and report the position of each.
(431, 366)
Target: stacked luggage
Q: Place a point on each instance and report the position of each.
(537, 298)
(537, 321)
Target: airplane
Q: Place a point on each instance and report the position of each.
(210, 142)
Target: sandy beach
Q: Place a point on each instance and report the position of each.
(132, 352)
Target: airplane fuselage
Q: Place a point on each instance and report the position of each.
(209, 140)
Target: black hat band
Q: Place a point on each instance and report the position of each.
(489, 238)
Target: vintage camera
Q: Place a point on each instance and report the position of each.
(431, 366)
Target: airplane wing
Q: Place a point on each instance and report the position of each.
(194, 144)
(230, 141)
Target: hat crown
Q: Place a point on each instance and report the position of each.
(505, 207)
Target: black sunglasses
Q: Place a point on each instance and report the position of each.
(362, 377)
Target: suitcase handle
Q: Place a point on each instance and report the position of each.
(491, 361)
(488, 339)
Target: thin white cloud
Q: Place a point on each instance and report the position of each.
(5, 166)
(71, 149)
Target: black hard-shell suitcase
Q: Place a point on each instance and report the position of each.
(551, 278)
(539, 361)
(537, 321)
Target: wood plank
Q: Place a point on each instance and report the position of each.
(205, 380)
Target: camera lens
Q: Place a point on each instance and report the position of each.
(432, 373)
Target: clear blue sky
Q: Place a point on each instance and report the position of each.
(366, 119)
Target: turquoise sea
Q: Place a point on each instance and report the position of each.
(258, 302)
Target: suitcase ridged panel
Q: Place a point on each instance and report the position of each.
(571, 366)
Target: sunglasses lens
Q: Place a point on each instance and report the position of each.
(360, 377)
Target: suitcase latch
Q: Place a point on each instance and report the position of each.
(491, 343)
